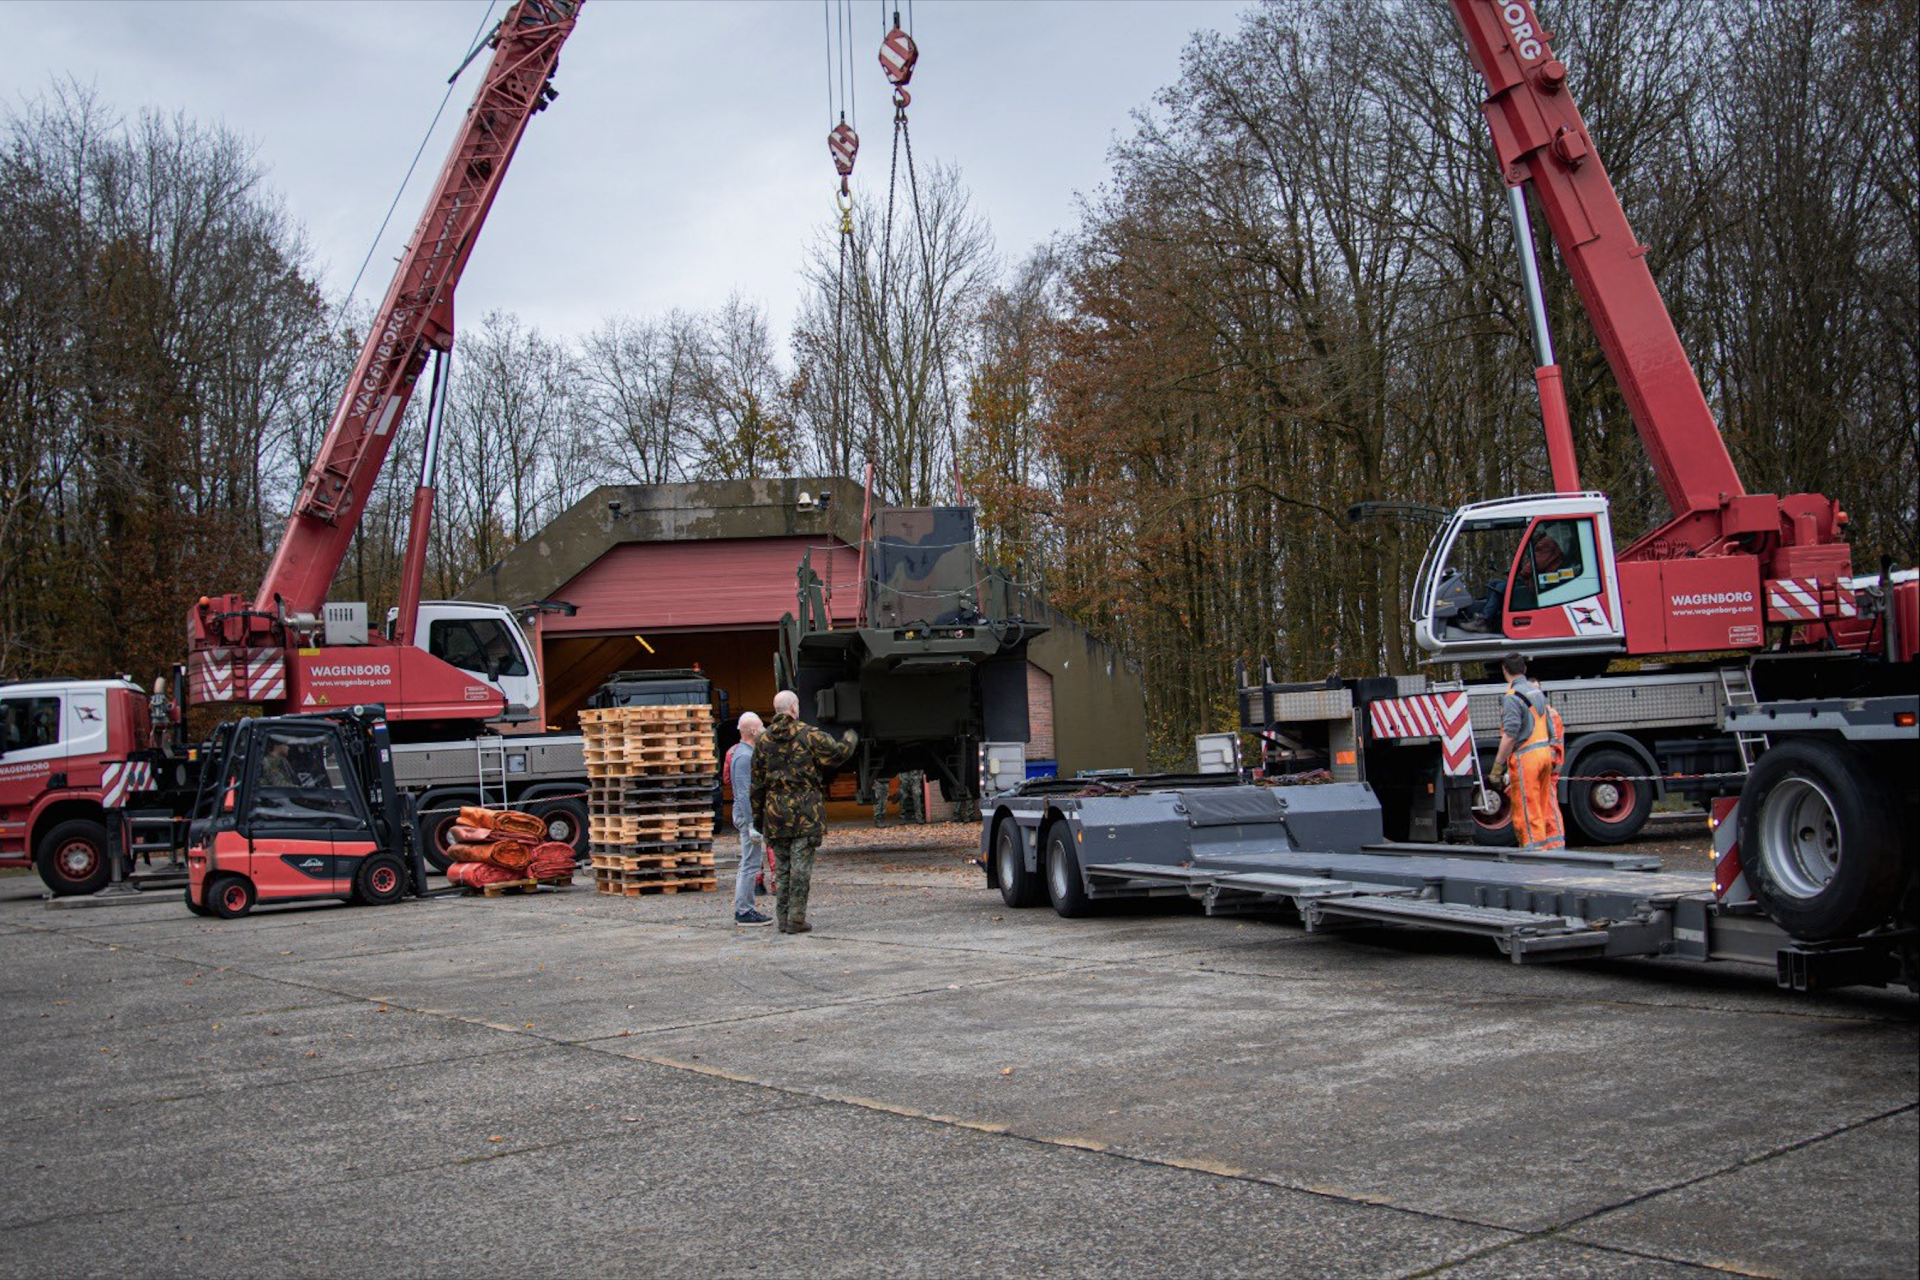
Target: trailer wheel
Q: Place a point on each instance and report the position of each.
(230, 896)
(1614, 809)
(72, 857)
(1821, 851)
(1064, 888)
(381, 879)
(1019, 887)
(193, 906)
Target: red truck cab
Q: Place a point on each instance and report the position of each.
(70, 751)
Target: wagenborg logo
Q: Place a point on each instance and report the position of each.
(1715, 597)
(367, 669)
(1526, 41)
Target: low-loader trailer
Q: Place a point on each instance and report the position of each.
(1815, 874)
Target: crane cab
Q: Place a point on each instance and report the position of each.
(1534, 573)
(482, 640)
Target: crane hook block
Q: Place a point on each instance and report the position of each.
(898, 53)
(844, 144)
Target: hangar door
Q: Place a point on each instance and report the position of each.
(715, 604)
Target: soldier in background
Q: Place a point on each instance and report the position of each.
(788, 801)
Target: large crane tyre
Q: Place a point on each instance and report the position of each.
(1019, 887)
(434, 826)
(73, 857)
(1614, 809)
(1819, 840)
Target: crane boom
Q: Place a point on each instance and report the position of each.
(416, 317)
(268, 649)
(1541, 571)
(1540, 138)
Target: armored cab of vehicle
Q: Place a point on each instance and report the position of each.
(937, 666)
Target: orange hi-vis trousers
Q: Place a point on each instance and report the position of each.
(1530, 789)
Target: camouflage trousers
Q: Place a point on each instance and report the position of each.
(793, 867)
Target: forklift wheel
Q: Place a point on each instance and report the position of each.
(380, 880)
(230, 897)
(193, 906)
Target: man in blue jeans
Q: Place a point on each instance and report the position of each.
(752, 846)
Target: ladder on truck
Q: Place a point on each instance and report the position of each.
(1736, 685)
(490, 771)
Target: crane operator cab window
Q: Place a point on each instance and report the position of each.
(301, 780)
(480, 645)
(1558, 565)
(1500, 568)
(1475, 583)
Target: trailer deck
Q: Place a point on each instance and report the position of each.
(1315, 853)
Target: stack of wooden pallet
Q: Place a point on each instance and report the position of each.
(650, 774)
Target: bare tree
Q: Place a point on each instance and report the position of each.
(636, 383)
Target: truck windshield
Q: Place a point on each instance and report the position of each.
(29, 722)
(479, 645)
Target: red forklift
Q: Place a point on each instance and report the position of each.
(301, 807)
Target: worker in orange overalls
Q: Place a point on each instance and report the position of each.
(1533, 739)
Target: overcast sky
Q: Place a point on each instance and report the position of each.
(686, 156)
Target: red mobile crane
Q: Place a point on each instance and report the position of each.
(285, 648)
(1816, 872)
(1540, 573)
(1728, 563)
(74, 755)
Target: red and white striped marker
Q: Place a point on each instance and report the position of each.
(898, 53)
(1429, 715)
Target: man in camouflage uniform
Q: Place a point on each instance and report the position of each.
(789, 801)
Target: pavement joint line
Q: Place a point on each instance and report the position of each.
(329, 1078)
(370, 1176)
(1560, 1229)
(277, 1010)
(1200, 1166)
(1205, 1168)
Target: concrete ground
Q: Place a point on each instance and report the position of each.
(931, 1084)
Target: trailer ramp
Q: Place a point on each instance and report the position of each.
(1583, 907)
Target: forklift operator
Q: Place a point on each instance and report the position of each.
(278, 771)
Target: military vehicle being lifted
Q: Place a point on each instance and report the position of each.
(937, 666)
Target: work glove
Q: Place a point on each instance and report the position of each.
(850, 737)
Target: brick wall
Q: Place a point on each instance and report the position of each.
(1039, 714)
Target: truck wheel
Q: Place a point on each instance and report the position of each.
(1495, 830)
(193, 906)
(1064, 889)
(381, 879)
(1019, 887)
(1614, 809)
(566, 822)
(230, 896)
(1820, 849)
(436, 830)
(72, 857)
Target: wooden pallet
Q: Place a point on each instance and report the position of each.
(650, 848)
(621, 885)
(651, 862)
(530, 885)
